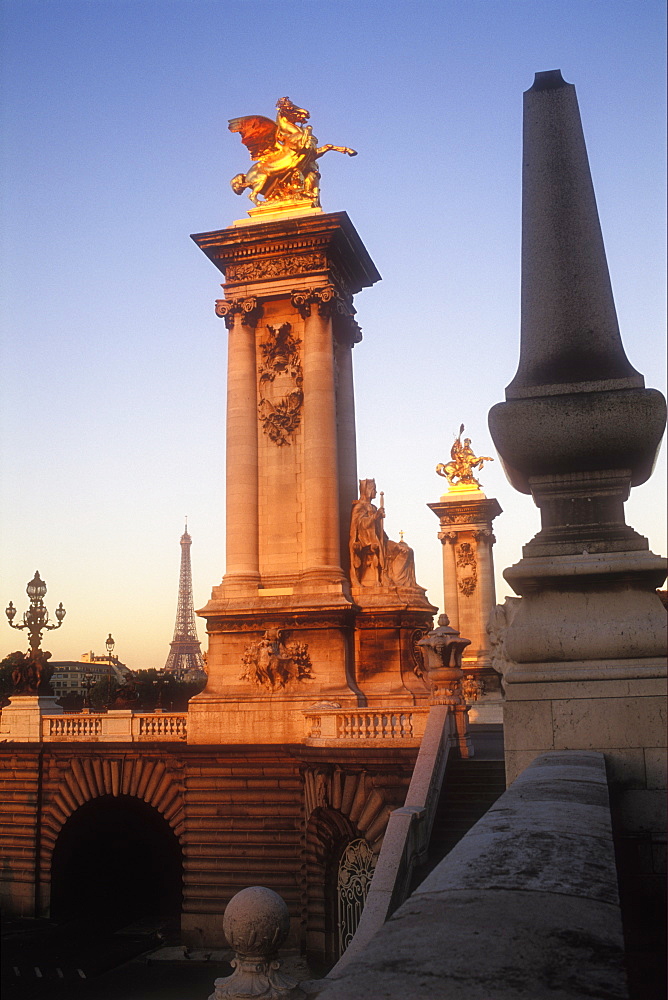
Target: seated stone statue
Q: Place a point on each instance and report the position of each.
(376, 560)
(400, 563)
(367, 538)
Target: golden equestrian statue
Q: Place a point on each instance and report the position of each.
(285, 153)
(463, 463)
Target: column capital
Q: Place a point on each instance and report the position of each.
(448, 536)
(346, 328)
(249, 309)
(326, 297)
(484, 535)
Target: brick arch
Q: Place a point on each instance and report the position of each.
(339, 808)
(356, 796)
(89, 778)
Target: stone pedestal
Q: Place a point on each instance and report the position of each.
(22, 719)
(283, 622)
(386, 652)
(465, 530)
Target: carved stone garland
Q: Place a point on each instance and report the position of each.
(280, 388)
(275, 267)
(468, 572)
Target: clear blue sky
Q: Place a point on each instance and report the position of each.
(115, 149)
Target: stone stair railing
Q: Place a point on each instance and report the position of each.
(527, 902)
(408, 831)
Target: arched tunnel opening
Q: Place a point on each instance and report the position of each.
(117, 862)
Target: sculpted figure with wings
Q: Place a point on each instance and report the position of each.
(285, 153)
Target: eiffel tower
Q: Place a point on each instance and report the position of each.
(184, 654)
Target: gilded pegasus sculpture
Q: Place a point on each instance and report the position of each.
(285, 152)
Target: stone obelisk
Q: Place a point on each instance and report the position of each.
(585, 651)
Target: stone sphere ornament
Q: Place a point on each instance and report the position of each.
(256, 922)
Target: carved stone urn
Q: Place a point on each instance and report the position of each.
(442, 652)
(442, 649)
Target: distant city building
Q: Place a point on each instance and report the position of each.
(185, 659)
(69, 675)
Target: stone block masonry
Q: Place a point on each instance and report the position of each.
(243, 815)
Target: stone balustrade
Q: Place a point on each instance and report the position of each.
(343, 726)
(71, 727)
(115, 726)
(155, 726)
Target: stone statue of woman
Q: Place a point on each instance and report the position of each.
(367, 538)
(376, 560)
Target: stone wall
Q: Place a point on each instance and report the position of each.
(244, 815)
(19, 796)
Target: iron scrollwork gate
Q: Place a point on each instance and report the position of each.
(356, 869)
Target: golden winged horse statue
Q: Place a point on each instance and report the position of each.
(285, 153)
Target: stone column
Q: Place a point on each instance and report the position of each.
(450, 599)
(484, 540)
(347, 333)
(466, 517)
(290, 462)
(322, 558)
(242, 553)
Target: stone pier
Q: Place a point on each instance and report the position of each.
(465, 530)
(291, 625)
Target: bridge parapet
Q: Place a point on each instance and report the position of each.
(120, 726)
(526, 901)
(351, 727)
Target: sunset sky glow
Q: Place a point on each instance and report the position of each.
(116, 148)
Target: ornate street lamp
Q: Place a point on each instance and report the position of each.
(36, 618)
